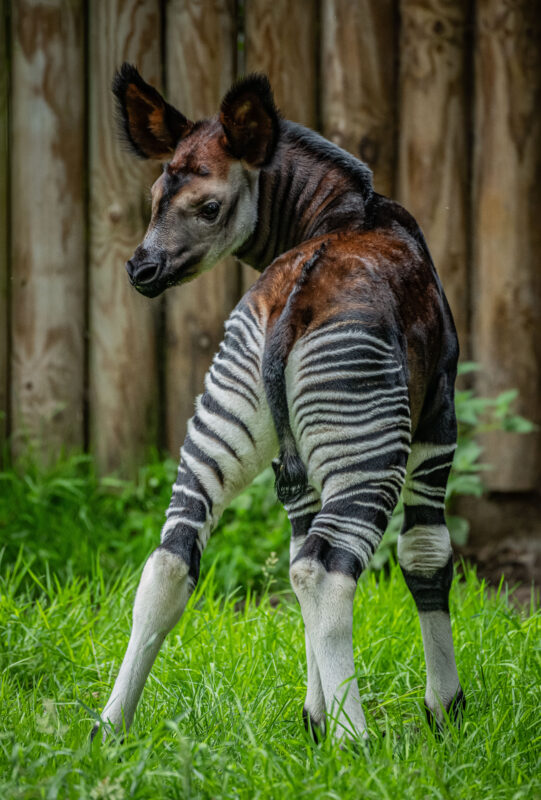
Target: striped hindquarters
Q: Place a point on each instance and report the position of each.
(349, 410)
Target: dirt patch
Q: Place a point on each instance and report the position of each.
(518, 560)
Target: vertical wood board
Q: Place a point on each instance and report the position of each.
(358, 82)
(434, 166)
(281, 40)
(47, 225)
(201, 59)
(123, 365)
(507, 233)
(4, 222)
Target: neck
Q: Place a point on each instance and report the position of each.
(310, 188)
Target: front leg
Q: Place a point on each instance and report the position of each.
(229, 441)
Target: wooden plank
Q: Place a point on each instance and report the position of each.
(4, 224)
(434, 168)
(507, 233)
(47, 225)
(123, 364)
(358, 82)
(201, 63)
(281, 41)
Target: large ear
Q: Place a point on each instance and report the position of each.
(151, 127)
(250, 120)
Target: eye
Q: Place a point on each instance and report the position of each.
(209, 211)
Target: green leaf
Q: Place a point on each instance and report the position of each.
(459, 529)
(517, 424)
(468, 366)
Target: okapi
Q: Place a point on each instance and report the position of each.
(340, 360)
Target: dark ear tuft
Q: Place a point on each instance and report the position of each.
(151, 127)
(251, 120)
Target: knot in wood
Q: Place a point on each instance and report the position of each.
(115, 212)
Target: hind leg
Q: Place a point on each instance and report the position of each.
(229, 440)
(166, 583)
(350, 416)
(324, 575)
(326, 599)
(301, 514)
(425, 556)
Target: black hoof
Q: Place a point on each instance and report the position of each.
(313, 728)
(95, 730)
(457, 706)
(454, 711)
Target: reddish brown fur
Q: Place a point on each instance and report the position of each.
(376, 272)
(203, 152)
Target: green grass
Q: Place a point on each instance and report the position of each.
(220, 716)
(64, 515)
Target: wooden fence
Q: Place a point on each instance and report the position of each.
(442, 98)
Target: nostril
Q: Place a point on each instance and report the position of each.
(146, 273)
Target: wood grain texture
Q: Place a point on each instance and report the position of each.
(434, 166)
(47, 217)
(507, 211)
(281, 40)
(123, 364)
(201, 64)
(4, 223)
(358, 82)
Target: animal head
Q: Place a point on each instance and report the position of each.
(204, 204)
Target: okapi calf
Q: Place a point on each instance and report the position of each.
(340, 360)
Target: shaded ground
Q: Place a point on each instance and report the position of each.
(517, 559)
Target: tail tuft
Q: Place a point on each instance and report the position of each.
(290, 477)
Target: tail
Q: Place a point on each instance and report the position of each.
(290, 473)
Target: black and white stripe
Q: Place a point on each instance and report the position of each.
(230, 439)
(349, 412)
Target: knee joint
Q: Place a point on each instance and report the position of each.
(163, 591)
(168, 566)
(423, 549)
(185, 548)
(305, 574)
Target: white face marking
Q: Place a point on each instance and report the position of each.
(188, 241)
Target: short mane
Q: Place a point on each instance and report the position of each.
(317, 145)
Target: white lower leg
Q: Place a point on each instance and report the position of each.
(423, 552)
(314, 704)
(161, 597)
(326, 601)
(442, 681)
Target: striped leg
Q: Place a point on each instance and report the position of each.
(229, 441)
(324, 573)
(350, 417)
(425, 556)
(301, 514)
